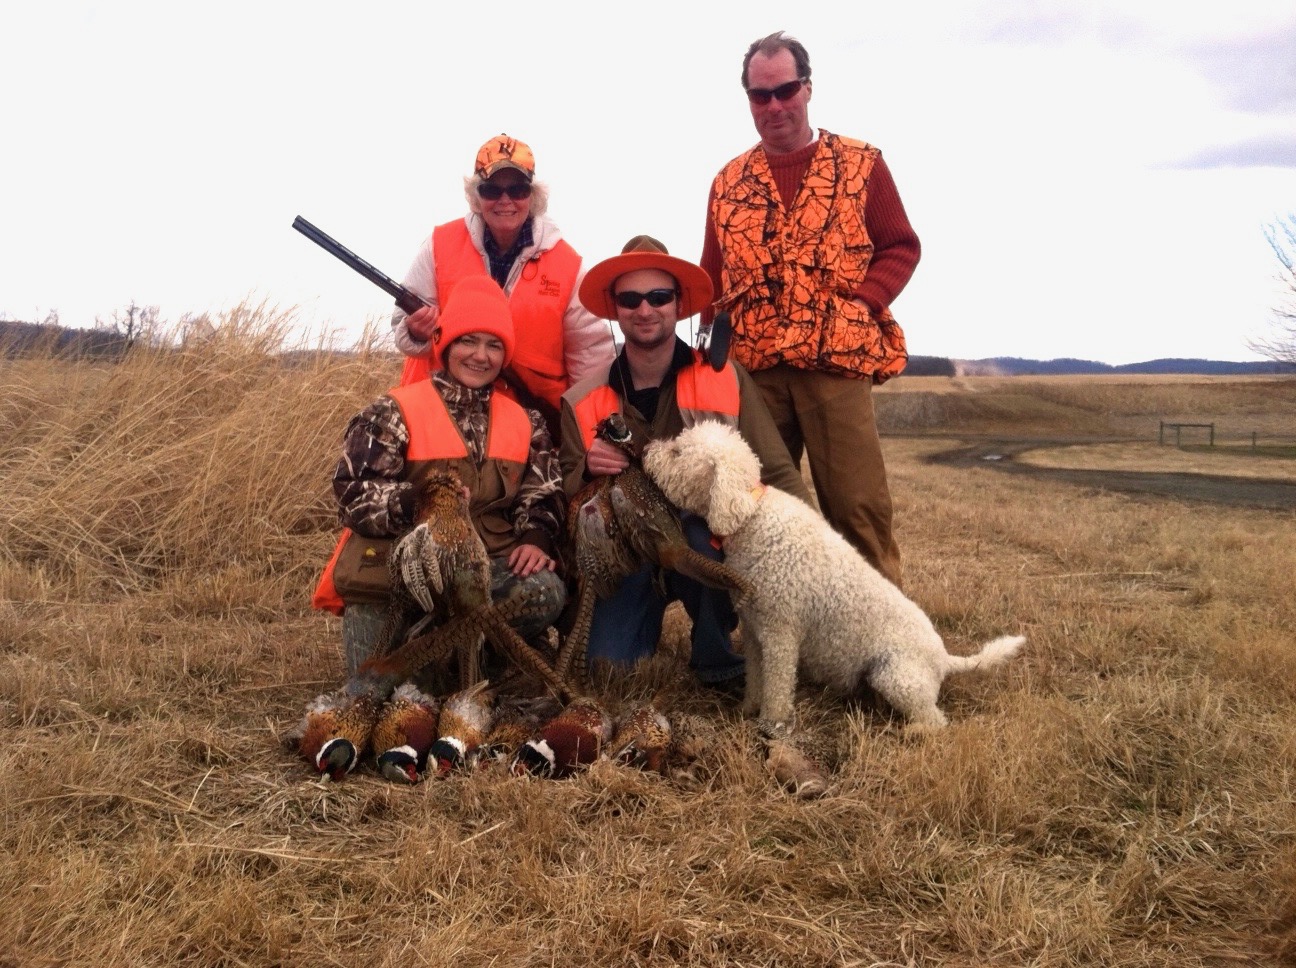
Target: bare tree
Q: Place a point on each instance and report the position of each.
(1281, 345)
(132, 323)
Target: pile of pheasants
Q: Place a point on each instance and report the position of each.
(411, 734)
(616, 525)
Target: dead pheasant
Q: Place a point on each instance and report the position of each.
(442, 570)
(441, 567)
(336, 730)
(404, 732)
(514, 725)
(572, 739)
(693, 739)
(465, 722)
(616, 524)
(794, 769)
(642, 738)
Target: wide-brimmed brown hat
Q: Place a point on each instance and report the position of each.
(644, 252)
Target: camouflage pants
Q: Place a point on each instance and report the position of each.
(362, 623)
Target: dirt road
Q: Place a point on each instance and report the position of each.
(1001, 453)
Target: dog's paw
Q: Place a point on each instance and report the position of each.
(918, 732)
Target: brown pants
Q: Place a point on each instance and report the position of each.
(830, 420)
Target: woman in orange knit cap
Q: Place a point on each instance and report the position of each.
(456, 420)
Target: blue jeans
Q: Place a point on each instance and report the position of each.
(627, 625)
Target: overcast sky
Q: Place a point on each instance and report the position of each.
(1089, 178)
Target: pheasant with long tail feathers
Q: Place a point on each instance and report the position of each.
(441, 568)
(615, 525)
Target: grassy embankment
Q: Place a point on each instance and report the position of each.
(1123, 794)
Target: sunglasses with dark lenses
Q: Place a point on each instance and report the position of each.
(517, 191)
(784, 92)
(656, 298)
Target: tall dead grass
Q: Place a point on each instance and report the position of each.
(177, 470)
(1121, 795)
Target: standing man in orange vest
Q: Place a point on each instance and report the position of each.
(661, 386)
(507, 236)
(455, 420)
(808, 244)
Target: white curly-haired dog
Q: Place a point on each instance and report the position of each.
(815, 602)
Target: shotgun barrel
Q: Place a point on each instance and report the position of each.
(405, 299)
(410, 302)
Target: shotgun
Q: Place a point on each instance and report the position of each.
(411, 302)
(405, 299)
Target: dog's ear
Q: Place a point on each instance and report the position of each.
(735, 472)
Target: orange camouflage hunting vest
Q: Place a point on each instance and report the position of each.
(788, 274)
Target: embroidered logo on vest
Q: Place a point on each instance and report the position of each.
(549, 287)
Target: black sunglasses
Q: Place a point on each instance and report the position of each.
(656, 298)
(517, 191)
(784, 92)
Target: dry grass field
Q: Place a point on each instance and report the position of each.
(1122, 794)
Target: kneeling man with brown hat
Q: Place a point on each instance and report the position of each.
(661, 386)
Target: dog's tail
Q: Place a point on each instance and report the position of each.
(993, 653)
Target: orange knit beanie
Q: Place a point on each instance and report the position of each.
(476, 305)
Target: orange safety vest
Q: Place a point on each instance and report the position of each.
(435, 442)
(537, 304)
(789, 274)
(700, 394)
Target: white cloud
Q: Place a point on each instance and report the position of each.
(1040, 148)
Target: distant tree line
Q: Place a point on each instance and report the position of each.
(930, 366)
(112, 339)
(1015, 366)
(109, 339)
(26, 339)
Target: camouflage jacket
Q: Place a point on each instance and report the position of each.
(375, 500)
